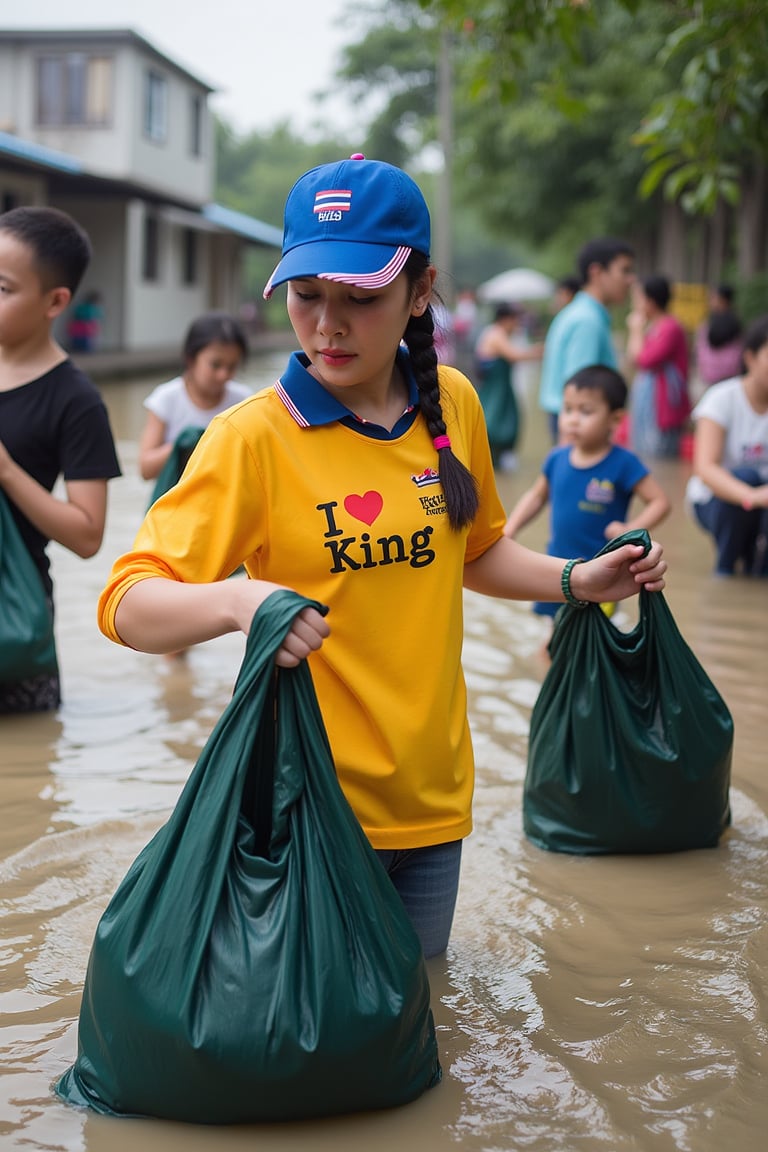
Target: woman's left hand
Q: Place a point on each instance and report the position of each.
(619, 574)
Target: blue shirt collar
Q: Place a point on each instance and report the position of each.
(312, 406)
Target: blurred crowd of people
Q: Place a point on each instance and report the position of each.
(699, 394)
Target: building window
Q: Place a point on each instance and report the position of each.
(74, 89)
(196, 125)
(150, 261)
(189, 256)
(8, 200)
(155, 106)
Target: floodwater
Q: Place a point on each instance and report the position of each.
(612, 1004)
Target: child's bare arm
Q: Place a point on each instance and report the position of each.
(656, 507)
(153, 449)
(76, 523)
(528, 507)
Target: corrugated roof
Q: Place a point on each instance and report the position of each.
(243, 225)
(216, 215)
(38, 154)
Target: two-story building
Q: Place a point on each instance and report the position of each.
(102, 125)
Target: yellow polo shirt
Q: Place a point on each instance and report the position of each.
(358, 523)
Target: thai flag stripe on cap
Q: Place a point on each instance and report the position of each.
(333, 199)
(378, 279)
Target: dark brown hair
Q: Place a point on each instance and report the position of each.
(459, 485)
(213, 328)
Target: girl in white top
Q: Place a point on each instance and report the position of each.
(214, 349)
(728, 490)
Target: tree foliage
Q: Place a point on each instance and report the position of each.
(700, 136)
(392, 70)
(570, 118)
(700, 133)
(541, 169)
(253, 175)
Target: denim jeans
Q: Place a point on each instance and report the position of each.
(427, 880)
(739, 533)
(553, 424)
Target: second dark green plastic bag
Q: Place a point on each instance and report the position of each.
(256, 963)
(183, 447)
(630, 742)
(27, 643)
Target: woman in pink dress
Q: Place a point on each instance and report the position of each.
(657, 347)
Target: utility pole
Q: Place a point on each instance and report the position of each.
(443, 245)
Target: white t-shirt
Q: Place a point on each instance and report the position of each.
(170, 402)
(746, 433)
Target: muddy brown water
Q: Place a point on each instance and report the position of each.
(612, 1004)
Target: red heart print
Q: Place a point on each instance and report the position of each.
(365, 508)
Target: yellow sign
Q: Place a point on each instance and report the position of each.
(690, 304)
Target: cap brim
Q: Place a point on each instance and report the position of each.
(362, 265)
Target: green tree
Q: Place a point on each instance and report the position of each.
(392, 70)
(253, 175)
(702, 132)
(537, 171)
(664, 97)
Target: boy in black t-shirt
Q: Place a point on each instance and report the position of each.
(53, 421)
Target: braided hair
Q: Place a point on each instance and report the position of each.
(459, 485)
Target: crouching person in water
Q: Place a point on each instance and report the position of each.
(361, 479)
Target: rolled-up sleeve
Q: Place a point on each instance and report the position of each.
(202, 529)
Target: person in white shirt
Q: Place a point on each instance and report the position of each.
(728, 491)
(214, 349)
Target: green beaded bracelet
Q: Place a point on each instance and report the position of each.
(565, 584)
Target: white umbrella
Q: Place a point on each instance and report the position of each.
(515, 285)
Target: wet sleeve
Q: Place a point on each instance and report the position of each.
(202, 529)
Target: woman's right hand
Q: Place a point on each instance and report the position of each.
(307, 632)
(161, 615)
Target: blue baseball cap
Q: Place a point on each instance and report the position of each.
(356, 222)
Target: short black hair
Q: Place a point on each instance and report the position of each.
(60, 247)
(505, 310)
(602, 251)
(607, 381)
(570, 283)
(658, 289)
(723, 328)
(725, 292)
(213, 328)
(756, 335)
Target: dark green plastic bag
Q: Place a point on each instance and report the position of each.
(256, 963)
(630, 742)
(27, 644)
(183, 446)
(500, 408)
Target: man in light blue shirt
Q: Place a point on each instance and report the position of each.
(580, 334)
